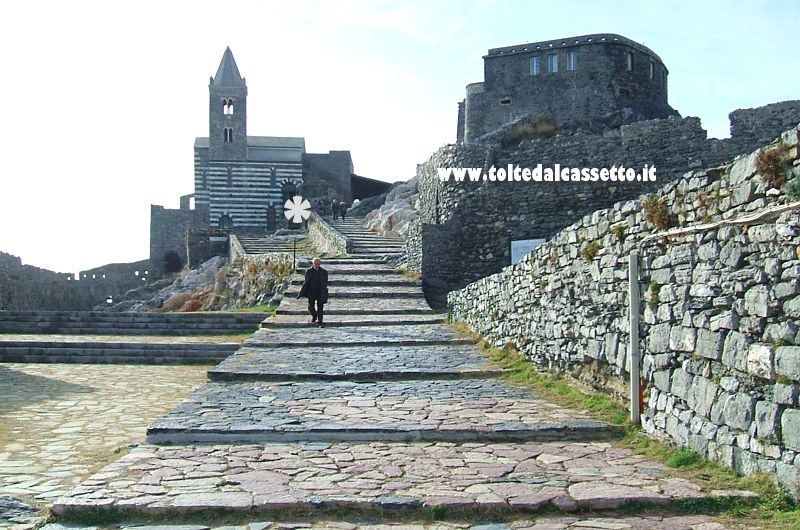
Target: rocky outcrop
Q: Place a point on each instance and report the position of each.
(216, 285)
(399, 211)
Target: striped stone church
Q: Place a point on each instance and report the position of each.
(241, 182)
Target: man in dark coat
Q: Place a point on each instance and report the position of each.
(315, 288)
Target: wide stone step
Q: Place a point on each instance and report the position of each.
(441, 410)
(357, 336)
(355, 364)
(210, 317)
(358, 306)
(360, 280)
(368, 291)
(301, 319)
(172, 483)
(82, 328)
(113, 352)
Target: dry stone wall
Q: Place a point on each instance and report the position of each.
(720, 307)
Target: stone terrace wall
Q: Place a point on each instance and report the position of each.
(483, 217)
(721, 315)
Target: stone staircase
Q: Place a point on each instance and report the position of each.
(367, 244)
(387, 410)
(264, 245)
(121, 338)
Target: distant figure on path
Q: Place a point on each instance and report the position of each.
(342, 209)
(315, 288)
(335, 209)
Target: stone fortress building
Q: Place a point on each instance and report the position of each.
(241, 182)
(565, 80)
(605, 97)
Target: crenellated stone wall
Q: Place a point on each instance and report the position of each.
(720, 304)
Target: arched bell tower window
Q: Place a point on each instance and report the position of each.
(227, 106)
(227, 134)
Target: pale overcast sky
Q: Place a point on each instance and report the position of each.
(103, 99)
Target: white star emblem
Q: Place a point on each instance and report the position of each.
(297, 209)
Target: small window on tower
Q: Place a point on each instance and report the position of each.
(552, 63)
(572, 61)
(652, 70)
(536, 68)
(629, 61)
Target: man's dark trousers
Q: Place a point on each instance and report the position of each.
(316, 314)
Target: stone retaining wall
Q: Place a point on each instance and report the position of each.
(326, 239)
(720, 313)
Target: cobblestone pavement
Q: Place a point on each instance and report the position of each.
(365, 361)
(451, 410)
(59, 422)
(567, 476)
(358, 336)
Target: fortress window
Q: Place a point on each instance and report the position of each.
(652, 70)
(536, 68)
(627, 92)
(572, 60)
(629, 60)
(552, 63)
(505, 101)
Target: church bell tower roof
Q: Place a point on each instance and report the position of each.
(228, 72)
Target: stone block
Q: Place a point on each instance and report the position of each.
(725, 320)
(735, 350)
(786, 289)
(791, 307)
(767, 420)
(783, 332)
(683, 254)
(786, 394)
(760, 360)
(732, 255)
(789, 477)
(681, 381)
(682, 338)
(790, 428)
(739, 410)
(742, 169)
(701, 395)
(709, 344)
(787, 362)
(658, 338)
(662, 379)
(757, 301)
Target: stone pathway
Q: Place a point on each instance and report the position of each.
(382, 412)
(60, 422)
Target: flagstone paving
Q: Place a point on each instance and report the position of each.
(59, 422)
(358, 336)
(337, 440)
(269, 478)
(476, 409)
(356, 363)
